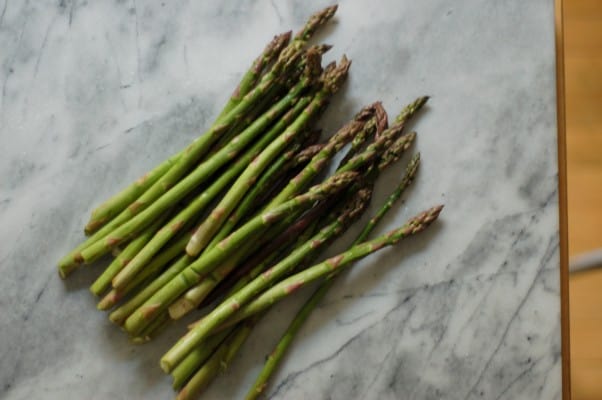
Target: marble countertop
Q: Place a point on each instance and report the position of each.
(95, 93)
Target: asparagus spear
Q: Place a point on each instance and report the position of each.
(152, 330)
(300, 232)
(315, 21)
(278, 291)
(207, 230)
(196, 206)
(120, 315)
(275, 357)
(195, 295)
(153, 269)
(196, 358)
(228, 307)
(333, 265)
(380, 122)
(198, 176)
(190, 155)
(218, 362)
(107, 210)
(104, 280)
(320, 160)
(250, 78)
(218, 254)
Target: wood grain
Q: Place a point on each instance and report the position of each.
(583, 95)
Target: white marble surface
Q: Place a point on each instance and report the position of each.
(94, 93)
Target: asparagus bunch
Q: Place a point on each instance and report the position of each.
(238, 219)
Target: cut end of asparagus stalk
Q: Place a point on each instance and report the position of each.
(180, 308)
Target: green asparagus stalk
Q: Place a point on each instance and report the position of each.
(152, 330)
(386, 139)
(104, 280)
(276, 356)
(225, 178)
(153, 269)
(411, 109)
(380, 123)
(107, 210)
(191, 155)
(320, 160)
(267, 179)
(251, 77)
(120, 315)
(299, 232)
(315, 21)
(195, 295)
(196, 358)
(198, 293)
(334, 264)
(228, 307)
(199, 204)
(205, 375)
(198, 176)
(218, 362)
(210, 260)
(209, 228)
(302, 278)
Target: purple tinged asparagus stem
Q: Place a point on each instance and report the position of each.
(320, 160)
(228, 307)
(202, 237)
(195, 295)
(218, 254)
(389, 137)
(202, 173)
(278, 291)
(373, 128)
(334, 264)
(285, 341)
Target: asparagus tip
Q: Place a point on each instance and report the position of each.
(425, 218)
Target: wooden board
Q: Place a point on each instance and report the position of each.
(583, 70)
